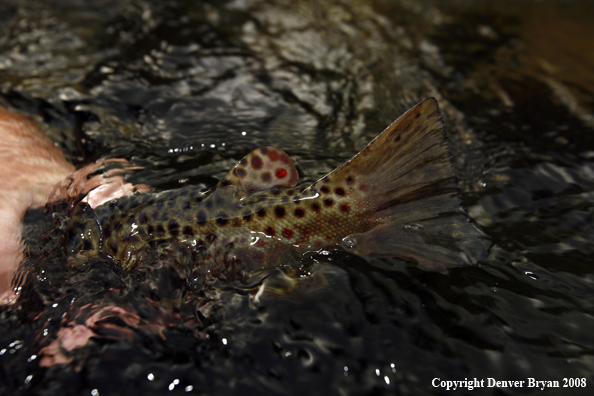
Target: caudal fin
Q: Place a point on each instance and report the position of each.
(411, 198)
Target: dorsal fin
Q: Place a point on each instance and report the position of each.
(408, 189)
(262, 169)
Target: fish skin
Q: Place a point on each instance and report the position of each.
(397, 198)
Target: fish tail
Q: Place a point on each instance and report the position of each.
(406, 189)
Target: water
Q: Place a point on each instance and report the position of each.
(185, 89)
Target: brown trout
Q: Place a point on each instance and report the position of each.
(397, 198)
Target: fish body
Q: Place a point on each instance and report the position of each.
(397, 198)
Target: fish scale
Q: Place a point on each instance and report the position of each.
(396, 198)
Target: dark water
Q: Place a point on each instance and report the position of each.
(185, 89)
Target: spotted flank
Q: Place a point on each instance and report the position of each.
(396, 198)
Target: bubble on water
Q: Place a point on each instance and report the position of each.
(349, 242)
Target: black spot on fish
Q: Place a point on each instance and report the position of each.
(211, 237)
(339, 191)
(350, 180)
(397, 138)
(208, 204)
(225, 182)
(142, 218)
(160, 205)
(155, 215)
(173, 227)
(106, 231)
(276, 191)
(130, 238)
(222, 219)
(316, 207)
(200, 245)
(159, 231)
(171, 203)
(240, 172)
(266, 176)
(261, 212)
(325, 189)
(118, 226)
(269, 231)
(256, 162)
(264, 150)
(188, 231)
(328, 202)
(247, 217)
(325, 179)
(279, 211)
(296, 199)
(345, 208)
(243, 162)
(201, 217)
(113, 246)
(299, 213)
(219, 200)
(131, 220)
(133, 204)
(150, 229)
(285, 199)
(87, 245)
(186, 205)
(199, 199)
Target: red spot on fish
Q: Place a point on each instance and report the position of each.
(363, 187)
(258, 256)
(285, 158)
(287, 233)
(345, 208)
(270, 231)
(273, 156)
(256, 162)
(317, 244)
(280, 173)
